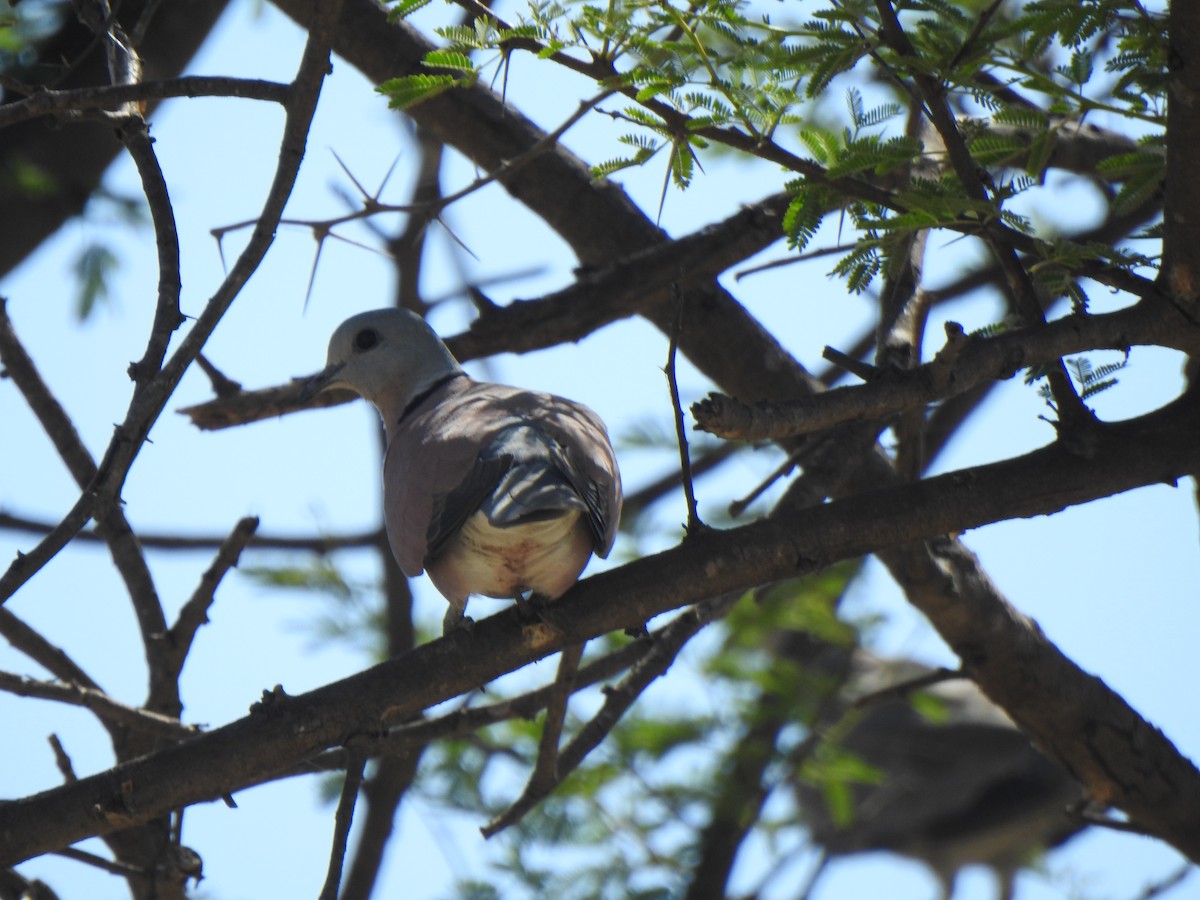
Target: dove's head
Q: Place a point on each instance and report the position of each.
(388, 356)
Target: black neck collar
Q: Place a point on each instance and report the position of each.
(425, 394)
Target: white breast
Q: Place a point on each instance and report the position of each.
(544, 556)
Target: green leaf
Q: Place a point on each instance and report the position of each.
(464, 37)
(859, 267)
(990, 149)
(654, 88)
(803, 217)
(683, 162)
(1040, 151)
(321, 576)
(854, 102)
(604, 169)
(1126, 165)
(930, 707)
(406, 8)
(1023, 117)
(1138, 191)
(410, 90)
(93, 267)
(1079, 70)
(823, 145)
(448, 59)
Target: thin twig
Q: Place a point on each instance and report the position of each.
(195, 612)
(62, 760)
(51, 658)
(51, 102)
(135, 135)
(662, 652)
(109, 711)
(21, 369)
(99, 862)
(834, 374)
(602, 70)
(222, 385)
(322, 544)
(556, 713)
(1172, 880)
(981, 22)
(26, 565)
(635, 283)
(1100, 820)
(708, 458)
(792, 260)
(545, 773)
(964, 363)
(929, 91)
(851, 364)
(431, 210)
(527, 705)
(737, 507)
(685, 463)
(908, 686)
(356, 761)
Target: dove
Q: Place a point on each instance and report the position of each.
(491, 490)
(951, 789)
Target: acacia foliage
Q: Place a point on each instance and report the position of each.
(893, 121)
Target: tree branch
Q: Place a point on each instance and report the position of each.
(105, 707)
(1180, 275)
(163, 541)
(1163, 795)
(55, 103)
(135, 135)
(53, 659)
(74, 167)
(658, 657)
(357, 759)
(963, 364)
(632, 284)
(195, 612)
(151, 396)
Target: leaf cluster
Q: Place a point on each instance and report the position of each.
(724, 71)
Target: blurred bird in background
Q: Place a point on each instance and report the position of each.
(950, 780)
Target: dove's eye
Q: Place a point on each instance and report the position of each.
(366, 339)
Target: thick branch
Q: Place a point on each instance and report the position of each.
(1151, 449)
(963, 364)
(1181, 217)
(74, 167)
(635, 283)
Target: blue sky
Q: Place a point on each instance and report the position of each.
(1112, 582)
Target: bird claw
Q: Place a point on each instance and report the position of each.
(464, 624)
(273, 699)
(531, 607)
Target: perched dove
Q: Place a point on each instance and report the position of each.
(962, 788)
(491, 489)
